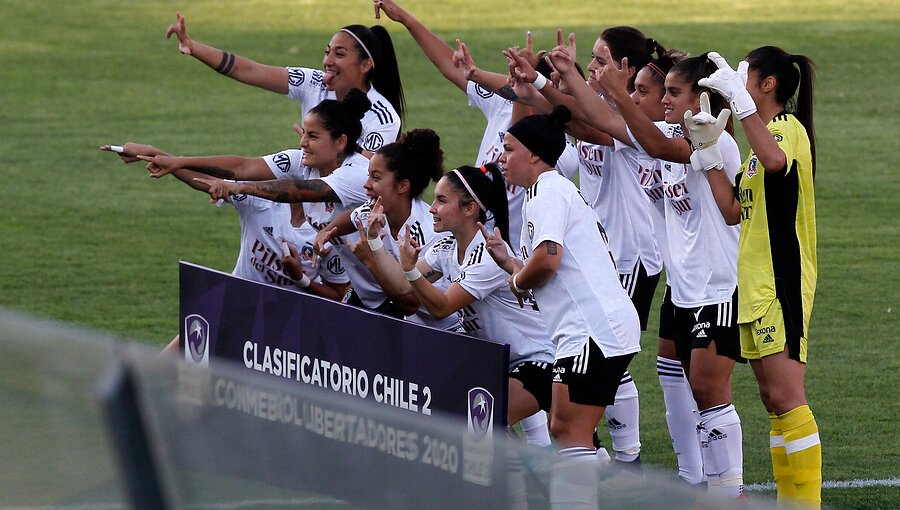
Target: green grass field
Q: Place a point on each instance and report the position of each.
(87, 240)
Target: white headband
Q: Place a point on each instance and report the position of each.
(360, 43)
(469, 189)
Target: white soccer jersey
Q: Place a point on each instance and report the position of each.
(495, 314)
(346, 181)
(264, 225)
(702, 250)
(421, 227)
(498, 113)
(380, 125)
(584, 299)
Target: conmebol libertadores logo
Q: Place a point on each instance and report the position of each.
(481, 413)
(196, 342)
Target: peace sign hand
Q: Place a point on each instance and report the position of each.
(462, 58)
(185, 43)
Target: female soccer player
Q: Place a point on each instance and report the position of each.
(702, 253)
(773, 199)
(357, 57)
(399, 172)
(327, 173)
(568, 268)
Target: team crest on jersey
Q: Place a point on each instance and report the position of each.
(329, 207)
(306, 253)
(751, 167)
(334, 266)
(483, 92)
(282, 161)
(373, 142)
(530, 230)
(296, 77)
(777, 137)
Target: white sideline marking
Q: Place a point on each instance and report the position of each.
(844, 484)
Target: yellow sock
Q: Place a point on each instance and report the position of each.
(804, 454)
(780, 467)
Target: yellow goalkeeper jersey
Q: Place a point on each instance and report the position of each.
(777, 248)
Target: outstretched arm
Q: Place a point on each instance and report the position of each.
(242, 69)
(276, 190)
(224, 167)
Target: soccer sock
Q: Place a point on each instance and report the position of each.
(780, 468)
(682, 418)
(535, 429)
(574, 480)
(623, 420)
(721, 450)
(804, 454)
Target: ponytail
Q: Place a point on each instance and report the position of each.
(375, 43)
(489, 188)
(794, 76)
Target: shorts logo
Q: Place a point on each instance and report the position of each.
(282, 161)
(482, 92)
(716, 434)
(768, 339)
(196, 329)
(767, 329)
(373, 142)
(481, 413)
(296, 77)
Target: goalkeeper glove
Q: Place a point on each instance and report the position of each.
(732, 85)
(704, 131)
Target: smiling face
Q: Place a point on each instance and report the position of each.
(382, 183)
(451, 209)
(345, 65)
(648, 94)
(679, 98)
(320, 150)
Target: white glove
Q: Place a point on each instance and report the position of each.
(732, 85)
(704, 131)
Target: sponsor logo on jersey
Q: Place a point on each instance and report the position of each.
(196, 338)
(483, 92)
(334, 266)
(238, 198)
(373, 142)
(317, 79)
(269, 230)
(282, 161)
(481, 413)
(296, 77)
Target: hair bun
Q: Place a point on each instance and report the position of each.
(357, 103)
(424, 147)
(559, 117)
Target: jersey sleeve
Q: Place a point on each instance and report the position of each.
(483, 278)
(381, 126)
(436, 256)
(347, 182)
(785, 135)
(548, 213)
(331, 269)
(568, 161)
(286, 164)
(483, 99)
(305, 85)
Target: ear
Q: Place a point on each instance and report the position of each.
(534, 158)
(403, 186)
(366, 65)
(341, 143)
(769, 84)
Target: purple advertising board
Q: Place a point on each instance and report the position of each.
(306, 340)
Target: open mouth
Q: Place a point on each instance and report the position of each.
(328, 77)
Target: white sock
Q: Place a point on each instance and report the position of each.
(574, 480)
(721, 448)
(623, 420)
(535, 429)
(682, 418)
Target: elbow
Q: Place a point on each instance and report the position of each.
(732, 219)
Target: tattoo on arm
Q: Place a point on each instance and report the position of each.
(552, 248)
(294, 190)
(214, 171)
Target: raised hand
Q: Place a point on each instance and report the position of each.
(731, 84)
(184, 40)
(361, 247)
(319, 248)
(563, 56)
(376, 220)
(704, 131)
(160, 166)
(496, 248)
(613, 77)
(409, 251)
(389, 7)
(291, 262)
(218, 188)
(520, 69)
(462, 58)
